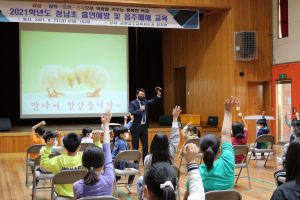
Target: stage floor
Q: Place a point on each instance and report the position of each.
(70, 127)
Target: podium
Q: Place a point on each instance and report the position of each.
(257, 117)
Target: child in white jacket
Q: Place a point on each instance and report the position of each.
(190, 152)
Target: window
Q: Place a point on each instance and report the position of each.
(283, 19)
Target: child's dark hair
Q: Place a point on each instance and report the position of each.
(160, 149)
(157, 174)
(93, 157)
(210, 145)
(297, 124)
(292, 164)
(237, 130)
(194, 130)
(294, 124)
(297, 133)
(261, 122)
(40, 130)
(72, 141)
(118, 130)
(49, 134)
(86, 130)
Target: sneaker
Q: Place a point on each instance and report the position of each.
(31, 187)
(263, 157)
(128, 187)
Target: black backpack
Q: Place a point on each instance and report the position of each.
(212, 121)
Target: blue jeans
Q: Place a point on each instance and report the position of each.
(139, 184)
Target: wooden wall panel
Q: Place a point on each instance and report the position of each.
(212, 73)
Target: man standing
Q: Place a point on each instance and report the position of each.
(139, 109)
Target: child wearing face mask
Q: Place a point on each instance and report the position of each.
(192, 133)
(86, 136)
(263, 130)
(55, 149)
(120, 144)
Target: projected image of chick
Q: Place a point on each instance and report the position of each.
(54, 77)
(94, 76)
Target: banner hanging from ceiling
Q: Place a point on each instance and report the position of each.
(60, 13)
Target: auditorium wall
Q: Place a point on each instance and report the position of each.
(212, 74)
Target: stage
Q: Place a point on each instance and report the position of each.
(18, 139)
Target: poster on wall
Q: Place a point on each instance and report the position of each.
(61, 13)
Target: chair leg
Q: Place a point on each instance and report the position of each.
(201, 161)
(275, 160)
(178, 190)
(256, 161)
(250, 157)
(143, 185)
(116, 187)
(27, 172)
(180, 163)
(267, 159)
(238, 176)
(33, 187)
(248, 176)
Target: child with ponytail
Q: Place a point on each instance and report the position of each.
(160, 182)
(96, 160)
(218, 172)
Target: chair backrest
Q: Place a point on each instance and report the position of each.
(177, 172)
(68, 176)
(85, 145)
(37, 159)
(128, 155)
(99, 197)
(112, 146)
(223, 195)
(35, 148)
(265, 138)
(195, 141)
(240, 149)
(128, 146)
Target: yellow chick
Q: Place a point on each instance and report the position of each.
(54, 77)
(94, 76)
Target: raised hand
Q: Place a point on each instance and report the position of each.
(96, 136)
(189, 124)
(176, 111)
(159, 91)
(240, 115)
(230, 103)
(51, 142)
(43, 123)
(106, 119)
(131, 117)
(125, 118)
(285, 114)
(59, 133)
(190, 151)
(297, 115)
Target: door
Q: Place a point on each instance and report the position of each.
(179, 80)
(255, 106)
(283, 106)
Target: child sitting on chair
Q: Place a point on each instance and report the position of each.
(120, 144)
(71, 161)
(86, 136)
(100, 178)
(36, 138)
(239, 136)
(55, 149)
(264, 130)
(193, 132)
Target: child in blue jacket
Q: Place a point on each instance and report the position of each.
(264, 130)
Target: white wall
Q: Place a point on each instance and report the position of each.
(287, 49)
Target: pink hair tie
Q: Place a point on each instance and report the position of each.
(167, 183)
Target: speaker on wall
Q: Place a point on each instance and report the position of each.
(5, 124)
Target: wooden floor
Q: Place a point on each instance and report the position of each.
(12, 179)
